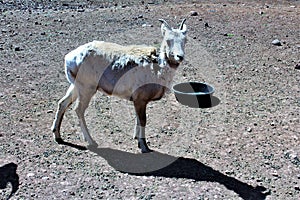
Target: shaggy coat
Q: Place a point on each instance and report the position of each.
(136, 73)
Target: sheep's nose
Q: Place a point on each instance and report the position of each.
(180, 58)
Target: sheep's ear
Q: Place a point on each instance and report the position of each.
(184, 29)
(164, 26)
(163, 29)
(182, 26)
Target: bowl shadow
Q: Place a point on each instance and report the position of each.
(164, 165)
(208, 101)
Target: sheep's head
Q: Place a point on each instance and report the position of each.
(174, 42)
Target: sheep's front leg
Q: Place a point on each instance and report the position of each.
(140, 109)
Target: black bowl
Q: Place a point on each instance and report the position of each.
(194, 94)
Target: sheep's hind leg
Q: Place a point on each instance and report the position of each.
(63, 105)
(140, 109)
(84, 98)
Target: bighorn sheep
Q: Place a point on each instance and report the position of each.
(133, 72)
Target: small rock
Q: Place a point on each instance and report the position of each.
(194, 13)
(297, 66)
(147, 25)
(43, 33)
(229, 172)
(276, 42)
(30, 175)
(45, 178)
(72, 193)
(65, 183)
(80, 10)
(17, 48)
(206, 25)
(249, 129)
(49, 111)
(275, 174)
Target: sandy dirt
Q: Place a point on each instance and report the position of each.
(246, 146)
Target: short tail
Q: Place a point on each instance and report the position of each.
(73, 60)
(71, 70)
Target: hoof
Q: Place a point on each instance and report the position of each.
(59, 140)
(147, 150)
(143, 146)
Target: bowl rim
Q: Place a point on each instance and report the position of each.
(194, 93)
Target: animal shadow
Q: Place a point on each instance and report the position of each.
(75, 146)
(8, 174)
(163, 165)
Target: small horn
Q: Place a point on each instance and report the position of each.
(181, 25)
(165, 23)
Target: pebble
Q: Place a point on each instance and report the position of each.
(65, 183)
(45, 178)
(275, 174)
(193, 13)
(229, 172)
(17, 48)
(30, 175)
(276, 42)
(147, 25)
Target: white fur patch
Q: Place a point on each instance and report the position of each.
(74, 59)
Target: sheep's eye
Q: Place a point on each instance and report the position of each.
(169, 42)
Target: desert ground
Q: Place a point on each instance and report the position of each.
(246, 146)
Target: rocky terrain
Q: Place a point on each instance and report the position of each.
(246, 146)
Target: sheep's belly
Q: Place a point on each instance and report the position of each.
(124, 82)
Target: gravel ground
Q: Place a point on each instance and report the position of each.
(244, 147)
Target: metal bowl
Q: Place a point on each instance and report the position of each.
(194, 94)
